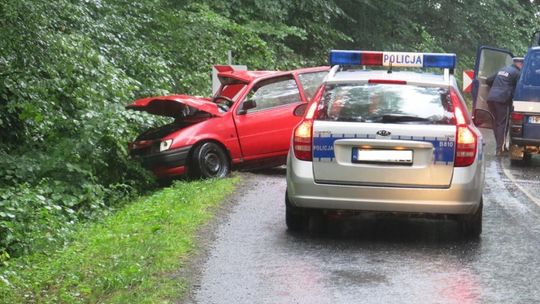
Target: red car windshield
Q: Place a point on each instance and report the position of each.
(231, 90)
(227, 95)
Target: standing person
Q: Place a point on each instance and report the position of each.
(500, 99)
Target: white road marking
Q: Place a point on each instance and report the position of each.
(516, 182)
(524, 181)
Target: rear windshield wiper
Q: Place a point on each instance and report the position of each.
(353, 119)
(389, 118)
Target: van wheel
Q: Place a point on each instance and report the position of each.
(294, 217)
(209, 160)
(523, 161)
(518, 155)
(471, 225)
(516, 162)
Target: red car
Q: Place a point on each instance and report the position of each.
(248, 123)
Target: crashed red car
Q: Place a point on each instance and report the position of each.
(248, 123)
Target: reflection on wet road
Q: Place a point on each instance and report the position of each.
(392, 260)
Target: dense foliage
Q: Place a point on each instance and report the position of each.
(131, 256)
(68, 68)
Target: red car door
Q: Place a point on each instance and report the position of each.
(265, 130)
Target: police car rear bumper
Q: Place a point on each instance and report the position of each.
(462, 197)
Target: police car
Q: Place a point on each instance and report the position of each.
(381, 140)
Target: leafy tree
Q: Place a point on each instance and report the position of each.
(68, 68)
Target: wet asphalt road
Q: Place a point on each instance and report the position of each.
(252, 258)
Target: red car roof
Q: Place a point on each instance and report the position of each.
(249, 76)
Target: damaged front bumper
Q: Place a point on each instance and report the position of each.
(165, 164)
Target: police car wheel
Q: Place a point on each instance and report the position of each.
(294, 217)
(472, 224)
(317, 222)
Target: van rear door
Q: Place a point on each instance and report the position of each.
(489, 60)
(527, 97)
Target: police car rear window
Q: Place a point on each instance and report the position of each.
(386, 103)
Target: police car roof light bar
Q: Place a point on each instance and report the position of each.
(393, 59)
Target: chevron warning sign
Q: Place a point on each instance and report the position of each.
(468, 76)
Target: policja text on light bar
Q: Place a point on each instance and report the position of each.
(393, 59)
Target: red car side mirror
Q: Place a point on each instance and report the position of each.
(300, 110)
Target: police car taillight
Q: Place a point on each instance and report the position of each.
(303, 134)
(465, 147)
(302, 140)
(466, 138)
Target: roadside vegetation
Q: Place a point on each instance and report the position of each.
(68, 68)
(132, 256)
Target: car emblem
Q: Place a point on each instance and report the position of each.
(383, 133)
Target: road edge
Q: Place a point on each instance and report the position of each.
(192, 269)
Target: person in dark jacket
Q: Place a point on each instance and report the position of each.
(499, 99)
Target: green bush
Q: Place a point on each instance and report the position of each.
(68, 68)
(131, 256)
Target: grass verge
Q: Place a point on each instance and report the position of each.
(129, 257)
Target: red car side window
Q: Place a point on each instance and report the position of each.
(274, 92)
(311, 82)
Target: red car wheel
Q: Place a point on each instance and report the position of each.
(209, 160)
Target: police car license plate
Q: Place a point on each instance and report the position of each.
(534, 119)
(401, 157)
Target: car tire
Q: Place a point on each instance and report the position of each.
(294, 217)
(518, 161)
(521, 162)
(317, 222)
(209, 160)
(472, 224)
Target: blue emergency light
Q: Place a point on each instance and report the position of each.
(393, 59)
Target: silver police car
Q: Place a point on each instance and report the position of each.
(382, 140)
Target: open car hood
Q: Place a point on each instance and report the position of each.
(174, 105)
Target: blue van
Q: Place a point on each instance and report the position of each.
(523, 137)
